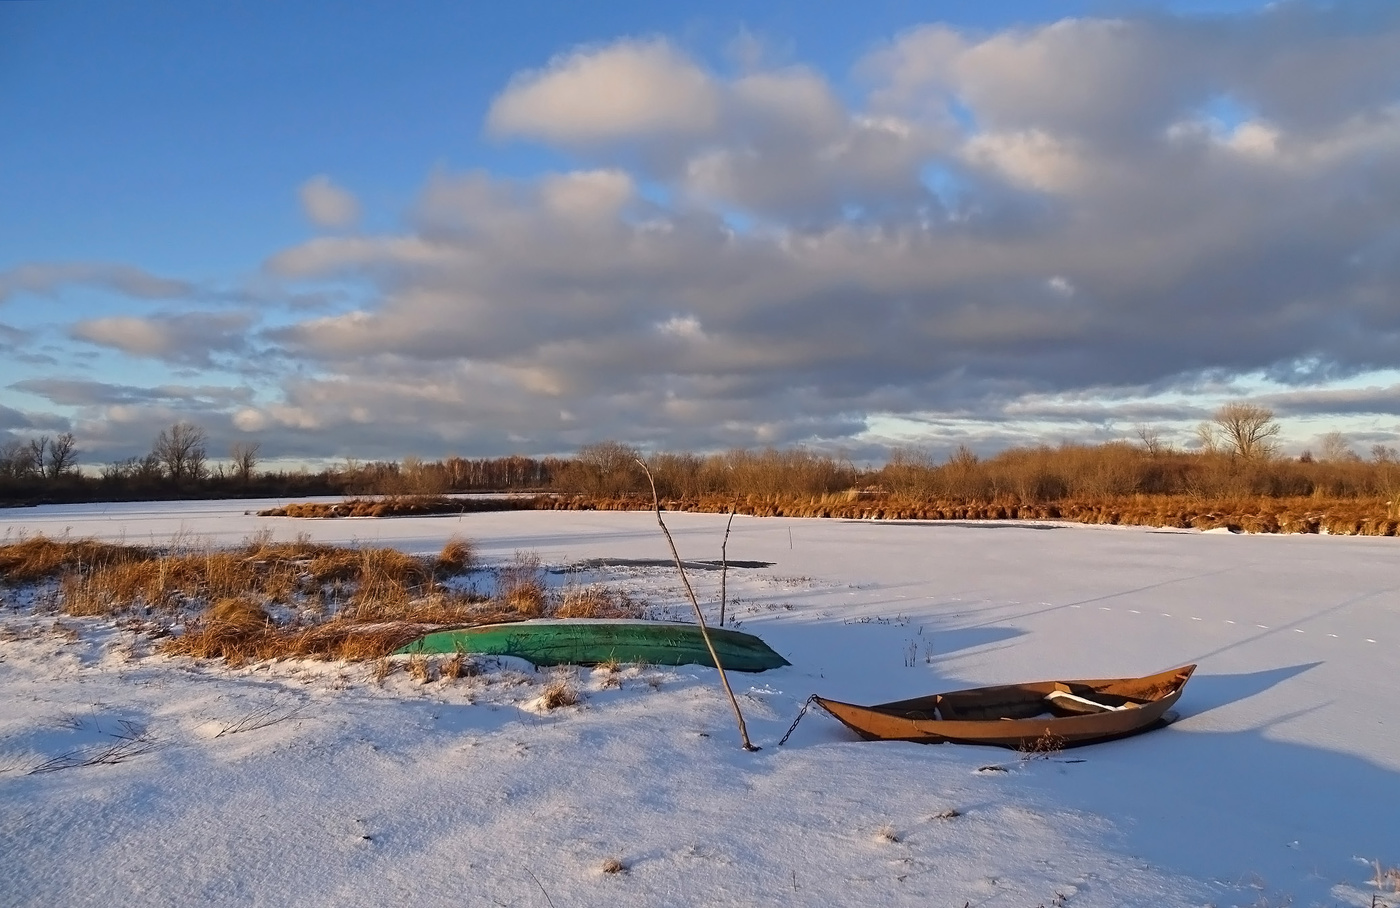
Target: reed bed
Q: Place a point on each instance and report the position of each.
(276, 600)
(1348, 516)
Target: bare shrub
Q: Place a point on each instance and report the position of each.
(613, 865)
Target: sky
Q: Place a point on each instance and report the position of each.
(377, 230)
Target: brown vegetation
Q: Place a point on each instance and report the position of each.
(35, 558)
(557, 693)
(267, 599)
(1367, 516)
(1114, 483)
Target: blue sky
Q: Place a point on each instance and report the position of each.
(379, 229)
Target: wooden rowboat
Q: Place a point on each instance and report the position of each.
(1036, 715)
(590, 641)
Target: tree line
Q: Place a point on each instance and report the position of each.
(1237, 455)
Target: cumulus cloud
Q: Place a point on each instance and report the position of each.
(775, 143)
(623, 91)
(1091, 228)
(328, 205)
(189, 338)
(1060, 225)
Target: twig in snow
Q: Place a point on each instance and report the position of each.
(259, 718)
(541, 885)
(131, 741)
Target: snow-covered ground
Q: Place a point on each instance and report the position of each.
(314, 784)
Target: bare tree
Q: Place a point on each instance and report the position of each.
(1208, 437)
(1384, 454)
(63, 453)
(1151, 439)
(181, 450)
(611, 467)
(244, 455)
(15, 460)
(38, 447)
(1247, 430)
(1334, 448)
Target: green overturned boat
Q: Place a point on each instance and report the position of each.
(593, 641)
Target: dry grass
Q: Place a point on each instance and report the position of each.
(458, 666)
(35, 558)
(299, 599)
(1045, 747)
(367, 583)
(422, 670)
(336, 640)
(613, 865)
(559, 692)
(1208, 506)
(403, 506)
(521, 587)
(598, 602)
(457, 556)
(887, 834)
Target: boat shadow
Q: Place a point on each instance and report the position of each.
(1210, 692)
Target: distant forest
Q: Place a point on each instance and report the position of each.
(1237, 456)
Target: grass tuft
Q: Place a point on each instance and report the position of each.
(422, 670)
(557, 693)
(457, 556)
(1045, 747)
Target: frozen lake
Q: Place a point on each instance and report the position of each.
(1278, 782)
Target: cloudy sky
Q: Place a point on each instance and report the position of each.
(379, 229)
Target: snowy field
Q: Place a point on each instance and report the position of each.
(314, 784)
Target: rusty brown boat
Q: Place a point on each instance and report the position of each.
(1035, 715)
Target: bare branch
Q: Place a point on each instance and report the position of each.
(699, 615)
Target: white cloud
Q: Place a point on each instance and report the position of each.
(627, 90)
(1030, 158)
(751, 258)
(328, 205)
(587, 196)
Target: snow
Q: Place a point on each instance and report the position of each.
(314, 784)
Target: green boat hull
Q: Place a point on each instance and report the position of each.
(593, 642)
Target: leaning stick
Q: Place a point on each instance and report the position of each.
(699, 615)
(724, 569)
